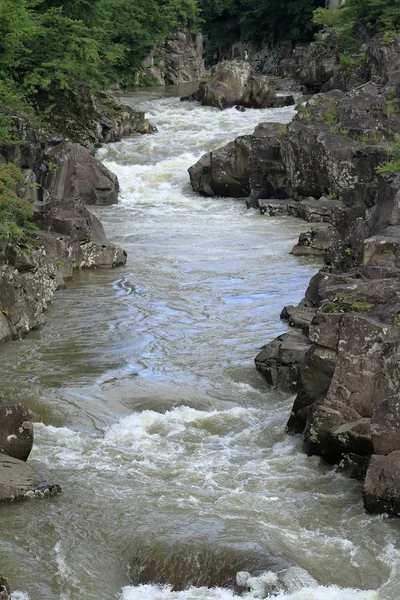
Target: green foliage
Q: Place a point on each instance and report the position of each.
(394, 163)
(270, 21)
(343, 305)
(355, 20)
(15, 213)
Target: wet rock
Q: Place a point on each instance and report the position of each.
(299, 316)
(280, 360)
(16, 430)
(236, 83)
(78, 174)
(18, 481)
(249, 166)
(354, 465)
(121, 121)
(183, 566)
(5, 592)
(316, 242)
(315, 211)
(314, 379)
(273, 206)
(382, 484)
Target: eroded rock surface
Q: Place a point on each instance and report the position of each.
(19, 481)
(235, 83)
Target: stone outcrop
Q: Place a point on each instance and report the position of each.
(60, 178)
(235, 83)
(318, 67)
(178, 59)
(74, 172)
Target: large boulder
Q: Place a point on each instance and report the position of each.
(236, 83)
(382, 484)
(18, 481)
(16, 429)
(70, 170)
(248, 166)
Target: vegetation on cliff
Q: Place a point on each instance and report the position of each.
(356, 20)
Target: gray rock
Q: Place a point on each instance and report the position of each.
(236, 83)
(249, 166)
(280, 360)
(16, 431)
(78, 174)
(382, 484)
(177, 59)
(18, 481)
(316, 242)
(385, 426)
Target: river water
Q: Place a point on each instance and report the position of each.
(150, 413)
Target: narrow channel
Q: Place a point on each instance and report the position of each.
(150, 413)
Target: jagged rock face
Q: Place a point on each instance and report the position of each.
(25, 292)
(236, 83)
(319, 69)
(76, 173)
(16, 432)
(178, 59)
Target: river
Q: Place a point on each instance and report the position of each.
(149, 411)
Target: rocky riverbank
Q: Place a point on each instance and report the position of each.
(62, 176)
(342, 357)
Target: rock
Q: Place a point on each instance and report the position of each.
(249, 166)
(314, 379)
(119, 120)
(5, 592)
(354, 465)
(18, 481)
(381, 491)
(299, 316)
(316, 242)
(25, 295)
(315, 211)
(236, 83)
(385, 426)
(78, 174)
(16, 431)
(280, 360)
(182, 566)
(177, 59)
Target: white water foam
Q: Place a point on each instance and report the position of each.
(155, 592)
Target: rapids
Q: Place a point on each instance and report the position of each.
(150, 413)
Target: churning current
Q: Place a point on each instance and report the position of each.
(151, 415)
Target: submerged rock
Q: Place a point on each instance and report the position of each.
(183, 566)
(19, 481)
